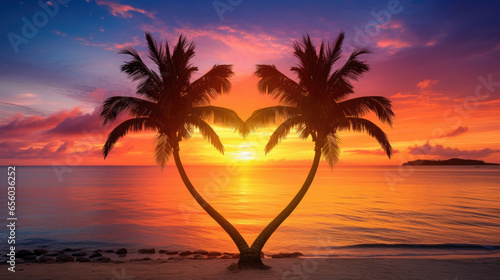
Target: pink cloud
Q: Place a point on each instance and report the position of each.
(123, 10)
(447, 152)
(135, 42)
(403, 95)
(76, 124)
(56, 136)
(427, 83)
(229, 45)
(393, 43)
(97, 95)
(18, 125)
(28, 150)
(240, 40)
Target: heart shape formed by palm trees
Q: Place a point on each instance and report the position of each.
(317, 106)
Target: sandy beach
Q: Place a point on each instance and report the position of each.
(298, 268)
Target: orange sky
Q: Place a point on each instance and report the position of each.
(421, 116)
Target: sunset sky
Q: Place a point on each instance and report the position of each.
(438, 61)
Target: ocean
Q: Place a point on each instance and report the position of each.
(348, 211)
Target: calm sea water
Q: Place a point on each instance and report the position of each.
(361, 211)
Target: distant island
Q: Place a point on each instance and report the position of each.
(453, 161)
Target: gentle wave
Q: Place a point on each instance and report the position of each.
(446, 246)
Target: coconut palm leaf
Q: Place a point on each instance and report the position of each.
(339, 84)
(360, 106)
(282, 132)
(163, 149)
(331, 149)
(136, 107)
(221, 116)
(131, 125)
(366, 126)
(207, 132)
(208, 86)
(279, 86)
(270, 115)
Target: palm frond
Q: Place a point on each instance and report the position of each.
(185, 132)
(149, 81)
(136, 107)
(155, 51)
(306, 69)
(213, 83)
(221, 116)
(131, 125)
(278, 85)
(339, 84)
(207, 132)
(150, 89)
(331, 149)
(334, 52)
(282, 132)
(163, 149)
(360, 106)
(270, 115)
(364, 125)
(181, 56)
(136, 69)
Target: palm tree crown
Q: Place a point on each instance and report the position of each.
(172, 105)
(317, 105)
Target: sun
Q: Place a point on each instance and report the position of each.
(246, 152)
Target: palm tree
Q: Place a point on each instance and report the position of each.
(173, 106)
(317, 106)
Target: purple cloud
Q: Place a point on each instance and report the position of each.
(447, 152)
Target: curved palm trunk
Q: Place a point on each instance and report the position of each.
(252, 259)
(225, 224)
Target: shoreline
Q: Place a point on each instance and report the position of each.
(291, 268)
(44, 254)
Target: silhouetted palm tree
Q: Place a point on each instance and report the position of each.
(173, 107)
(317, 106)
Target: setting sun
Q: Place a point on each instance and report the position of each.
(246, 152)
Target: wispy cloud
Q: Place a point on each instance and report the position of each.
(427, 83)
(109, 46)
(57, 32)
(455, 132)
(122, 10)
